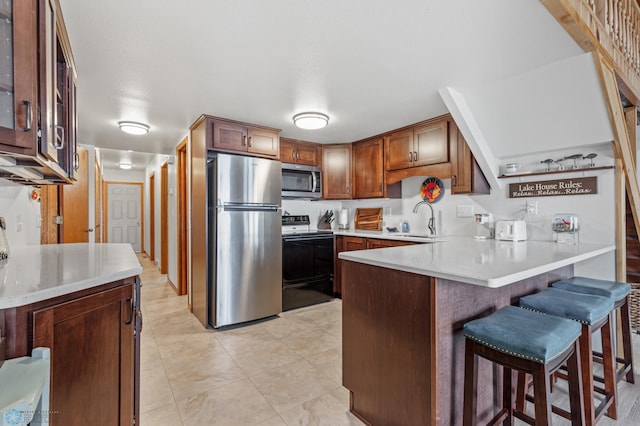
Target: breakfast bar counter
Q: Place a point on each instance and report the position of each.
(403, 312)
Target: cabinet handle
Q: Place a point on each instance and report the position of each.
(57, 145)
(28, 114)
(130, 300)
(454, 180)
(293, 156)
(410, 157)
(244, 140)
(249, 141)
(76, 162)
(297, 155)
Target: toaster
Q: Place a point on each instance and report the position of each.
(511, 230)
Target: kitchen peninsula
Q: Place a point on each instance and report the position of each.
(82, 302)
(403, 312)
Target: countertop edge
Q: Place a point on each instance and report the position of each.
(48, 293)
(474, 280)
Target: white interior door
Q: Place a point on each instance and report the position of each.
(124, 214)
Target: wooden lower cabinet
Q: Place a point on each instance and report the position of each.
(94, 375)
(347, 243)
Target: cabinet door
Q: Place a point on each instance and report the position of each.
(18, 76)
(92, 357)
(287, 150)
(52, 132)
(399, 150)
(430, 144)
(354, 243)
(461, 164)
(263, 142)
(229, 136)
(368, 174)
(374, 243)
(336, 171)
(307, 153)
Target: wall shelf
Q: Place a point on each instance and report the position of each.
(552, 172)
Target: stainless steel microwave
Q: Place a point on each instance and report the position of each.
(300, 181)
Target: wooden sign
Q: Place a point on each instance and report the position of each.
(549, 188)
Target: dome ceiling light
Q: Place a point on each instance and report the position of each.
(311, 120)
(133, 127)
(125, 165)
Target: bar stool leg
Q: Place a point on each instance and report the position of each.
(608, 357)
(542, 395)
(586, 369)
(576, 397)
(470, 384)
(625, 323)
(507, 395)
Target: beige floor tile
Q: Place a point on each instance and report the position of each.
(310, 342)
(292, 385)
(329, 362)
(208, 372)
(233, 404)
(325, 410)
(266, 356)
(273, 421)
(155, 390)
(283, 326)
(163, 416)
(178, 350)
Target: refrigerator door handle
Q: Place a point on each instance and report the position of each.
(250, 207)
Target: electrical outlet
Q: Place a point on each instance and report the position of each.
(464, 211)
(532, 207)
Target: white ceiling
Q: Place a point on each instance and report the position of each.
(371, 65)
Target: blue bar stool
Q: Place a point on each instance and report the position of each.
(594, 313)
(529, 342)
(619, 293)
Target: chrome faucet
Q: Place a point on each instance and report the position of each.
(432, 222)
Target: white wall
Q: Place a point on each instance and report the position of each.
(19, 210)
(119, 175)
(154, 168)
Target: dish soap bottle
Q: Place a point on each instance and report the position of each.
(405, 226)
(4, 244)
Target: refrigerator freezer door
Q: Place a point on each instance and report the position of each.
(248, 180)
(247, 264)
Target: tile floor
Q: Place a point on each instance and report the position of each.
(284, 371)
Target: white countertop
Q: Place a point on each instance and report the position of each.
(35, 273)
(488, 263)
(416, 237)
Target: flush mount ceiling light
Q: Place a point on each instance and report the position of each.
(133, 127)
(311, 120)
(125, 165)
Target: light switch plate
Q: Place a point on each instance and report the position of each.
(464, 211)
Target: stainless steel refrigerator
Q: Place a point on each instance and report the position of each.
(244, 249)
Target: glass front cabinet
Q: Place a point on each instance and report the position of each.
(37, 94)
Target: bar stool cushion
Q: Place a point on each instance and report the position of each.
(585, 308)
(525, 334)
(612, 289)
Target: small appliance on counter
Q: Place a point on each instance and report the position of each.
(4, 244)
(485, 227)
(511, 230)
(565, 228)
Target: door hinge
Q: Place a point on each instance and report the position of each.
(39, 134)
(58, 220)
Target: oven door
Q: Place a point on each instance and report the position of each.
(307, 270)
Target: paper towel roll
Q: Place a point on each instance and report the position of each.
(343, 221)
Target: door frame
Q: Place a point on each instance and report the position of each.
(105, 209)
(152, 217)
(164, 218)
(182, 217)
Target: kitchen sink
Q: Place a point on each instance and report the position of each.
(423, 236)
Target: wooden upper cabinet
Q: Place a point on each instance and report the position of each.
(368, 172)
(231, 136)
(466, 176)
(399, 149)
(430, 144)
(263, 142)
(19, 78)
(299, 152)
(420, 145)
(336, 171)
